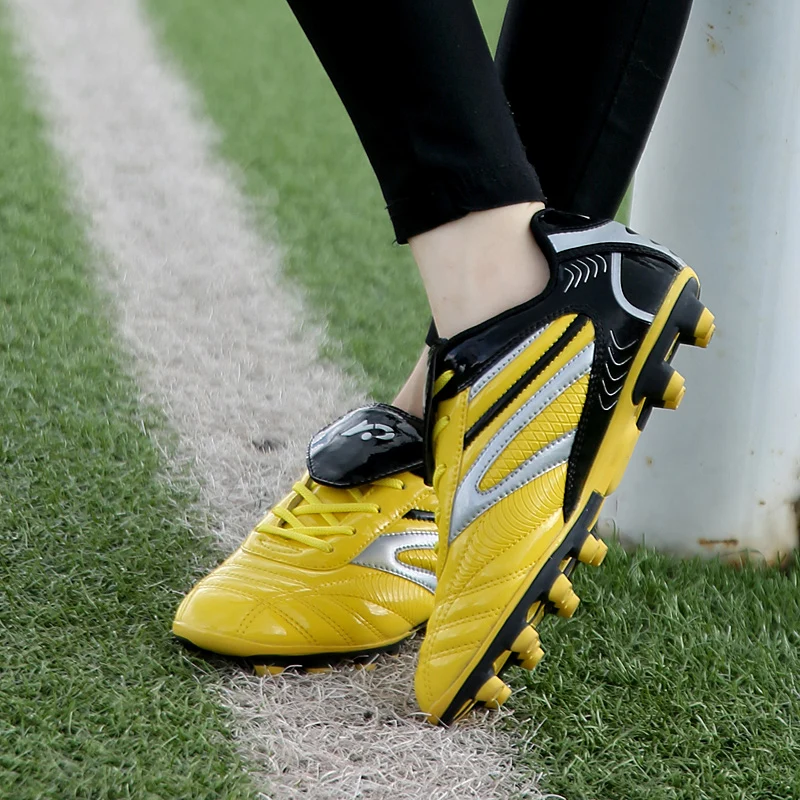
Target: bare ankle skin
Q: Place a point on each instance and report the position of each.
(411, 397)
(480, 265)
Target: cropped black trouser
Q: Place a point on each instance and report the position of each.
(562, 114)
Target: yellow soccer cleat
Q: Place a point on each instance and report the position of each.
(532, 418)
(343, 567)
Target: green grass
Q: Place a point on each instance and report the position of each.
(300, 158)
(676, 680)
(96, 701)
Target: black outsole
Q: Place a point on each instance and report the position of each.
(656, 373)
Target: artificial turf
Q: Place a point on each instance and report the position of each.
(96, 700)
(299, 159)
(675, 680)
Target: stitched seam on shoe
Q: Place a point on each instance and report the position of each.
(363, 619)
(342, 633)
(496, 581)
(396, 613)
(247, 621)
(471, 618)
(240, 593)
(456, 649)
(356, 597)
(449, 603)
(445, 608)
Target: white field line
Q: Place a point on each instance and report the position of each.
(221, 346)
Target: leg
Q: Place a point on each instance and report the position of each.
(420, 86)
(601, 109)
(425, 98)
(411, 395)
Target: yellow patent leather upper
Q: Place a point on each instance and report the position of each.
(293, 588)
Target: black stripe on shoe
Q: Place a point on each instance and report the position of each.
(527, 378)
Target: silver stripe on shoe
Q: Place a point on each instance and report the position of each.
(382, 555)
(619, 295)
(608, 233)
(497, 368)
(470, 501)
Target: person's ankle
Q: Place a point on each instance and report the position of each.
(481, 265)
(411, 396)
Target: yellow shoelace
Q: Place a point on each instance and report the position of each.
(295, 529)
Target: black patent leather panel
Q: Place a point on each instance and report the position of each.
(364, 445)
(645, 277)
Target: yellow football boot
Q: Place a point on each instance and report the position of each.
(531, 420)
(343, 567)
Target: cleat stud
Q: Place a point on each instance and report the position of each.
(319, 670)
(674, 392)
(570, 606)
(527, 640)
(262, 670)
(493, 693)
(704, 329)
(593, 551)
(560, 590)
(536, 613)
(657, 383)
(678, 399)
(563, 596)
(531, 659)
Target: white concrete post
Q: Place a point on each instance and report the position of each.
(720, 185)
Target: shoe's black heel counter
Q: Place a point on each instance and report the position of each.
(645, 279)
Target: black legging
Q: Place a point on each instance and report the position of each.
(434, 112)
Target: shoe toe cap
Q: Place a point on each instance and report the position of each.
(231, 620)
(215, 617)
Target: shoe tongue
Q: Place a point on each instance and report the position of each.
(367, 444)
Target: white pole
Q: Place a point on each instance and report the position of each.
(720, 185)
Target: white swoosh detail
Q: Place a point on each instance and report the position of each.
(568, 268)
(611, 375)
(618, 345)
(614, 360)
(608, 233)
(607, 408)
(616, 286)
(469, 501)
(382, 554)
